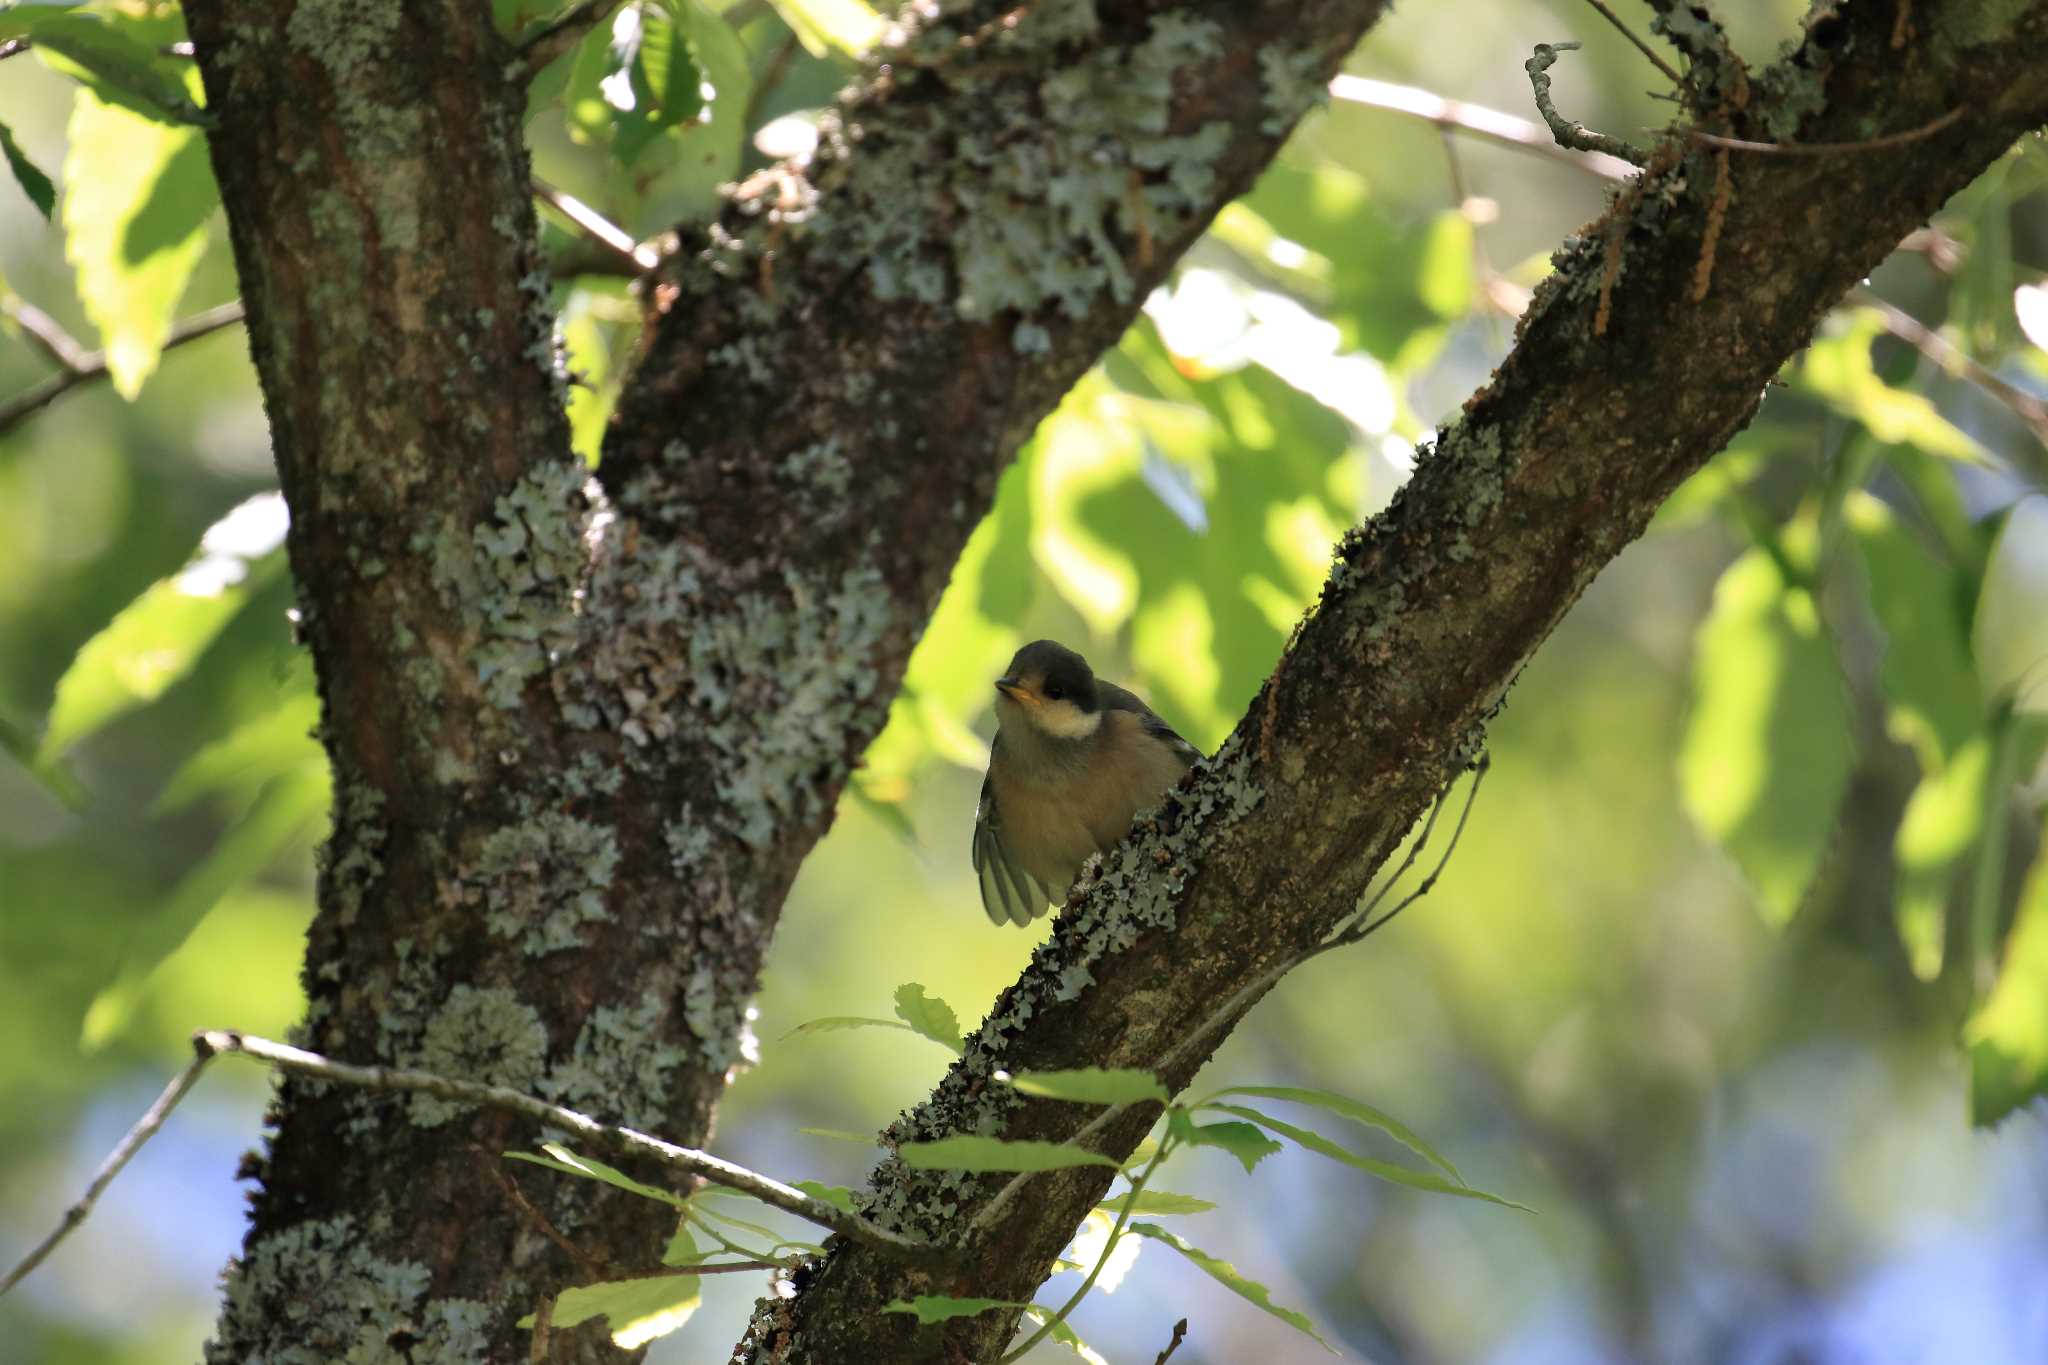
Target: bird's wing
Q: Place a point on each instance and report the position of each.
(1115, 698)
(1009, 893)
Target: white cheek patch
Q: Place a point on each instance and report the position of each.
(1064, 720)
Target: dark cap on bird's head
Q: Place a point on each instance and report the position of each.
(1052, 688)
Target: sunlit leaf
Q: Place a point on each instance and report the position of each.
(2008, 1035)
(33, 182)
(968, 1153)
(137, 194)
(1228, 1275)
(560, 1158)
(264, 746)
(1063, 1332)
(2010, 634)
(150, 644)
(1767, 749)
(116, 67)
(931, 1308)
(1092, 1085)
(1156, 1202)
(639, 1310)
(928, 1016)
(1930, 689)
(1355, 1110)
(709, 149)
(682, 1248)
(1315, 1142)
(1838, 368)
(849, 26)
(1938, 830)
(834, 1023)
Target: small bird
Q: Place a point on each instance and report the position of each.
(1074, 759)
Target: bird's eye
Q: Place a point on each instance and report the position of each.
(1054, 692)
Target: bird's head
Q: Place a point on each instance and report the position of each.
(1049, 689)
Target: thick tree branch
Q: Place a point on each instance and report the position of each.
(1618, 388)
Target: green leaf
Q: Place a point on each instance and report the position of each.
(33, 182)
(640, 1310)
(116, 68)
(1385, 1170)
(1350, 1109)
(2008, 1034)
(1937, 832)
(664, 84)
(931, 1308)
(711, 147)
(1158, 1202)
(1242, 1140)
(928, 1016)
(265, 746)
(285, 811)
(1092, 1085)
(823, 25)
(560, 1158)
(967, 1153)
(136, 199)
(1767, 750)
(1838, 369)
(842, 1135)
(838, 1196)
(150, 644)
(682, 1248)
(1228, 1275)
(1922, 602)
(1063, 1332)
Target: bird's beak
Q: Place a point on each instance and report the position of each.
(1016, 691)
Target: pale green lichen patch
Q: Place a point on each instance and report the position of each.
(613, 1071)
(1041, 176)
(345, 1302)
(353, 855)
(1293, 83)
(483, 1034)
(544, 878)
(520, 571)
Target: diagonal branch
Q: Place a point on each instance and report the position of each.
(1428, 615)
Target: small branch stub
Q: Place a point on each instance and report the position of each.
(1576, 136)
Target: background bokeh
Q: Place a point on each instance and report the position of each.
(1685, 989)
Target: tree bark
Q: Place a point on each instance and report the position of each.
(583, 736)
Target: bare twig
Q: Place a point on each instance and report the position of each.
(1873, 144)
(634, 257)
(1952, 359)
(1568, 133)
(611, 1136)
(93, 365)
(45, 331)
(144, 1129)
(1180, 1334)
(1643, 47)
(542, 46)
(1475, 119)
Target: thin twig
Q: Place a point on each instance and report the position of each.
(1873, 144)
(1952, 359)
(1642, 46)
(45, 331)
(636, 257)
(593, 1264)
(93, 365)
(1568, 133)
(542, 46)
(1475, 119)
(611, 1136)
(1180, 1334)
(1108, 1247)
(131, 1143)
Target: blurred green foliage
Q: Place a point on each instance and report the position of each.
(1752, 912)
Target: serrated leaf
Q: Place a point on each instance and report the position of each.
(33, 182)
(969, 1153)
(1355, 1110)
(136, 199)
(1092, 1085)
(1385, 1170)
(560, 1158)
(1242, 1140)
(931, 1308)
(1767, 749)
(2008, 1034)
(928, 1016)
(1228, 1275)
(640, 1310)
(150, 644)
(821, 26)
(1157, 1202)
